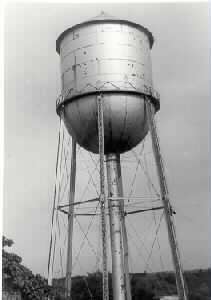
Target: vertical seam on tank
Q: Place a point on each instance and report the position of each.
(95, 113)
(77, 105)
(124, 124)
(73, 129)
(145, 116)
(137, 119)
(110, 123)
(74, 73)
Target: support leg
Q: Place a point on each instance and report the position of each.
(70, 221)
(124, 237)
(181, 286)
(102, 198)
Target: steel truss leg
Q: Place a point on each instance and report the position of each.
(180, 281)
(124, 236)
(102, 197)
(70, 222)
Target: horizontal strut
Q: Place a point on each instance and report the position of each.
(131, 198)
(143, 210)
(125, 213)
(79, 203)
(98, 199)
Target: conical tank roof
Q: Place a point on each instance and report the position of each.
(104, 18)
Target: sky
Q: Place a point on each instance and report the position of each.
(180, 62)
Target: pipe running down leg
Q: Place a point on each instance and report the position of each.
(118, 282)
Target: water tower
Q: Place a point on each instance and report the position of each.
(108, 105)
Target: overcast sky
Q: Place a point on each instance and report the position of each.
(180, 60)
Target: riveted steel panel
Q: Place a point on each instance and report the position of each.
(90, 54)
(112, 58)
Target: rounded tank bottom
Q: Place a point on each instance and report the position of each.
(125, 121)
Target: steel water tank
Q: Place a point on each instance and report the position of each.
(110, 57)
